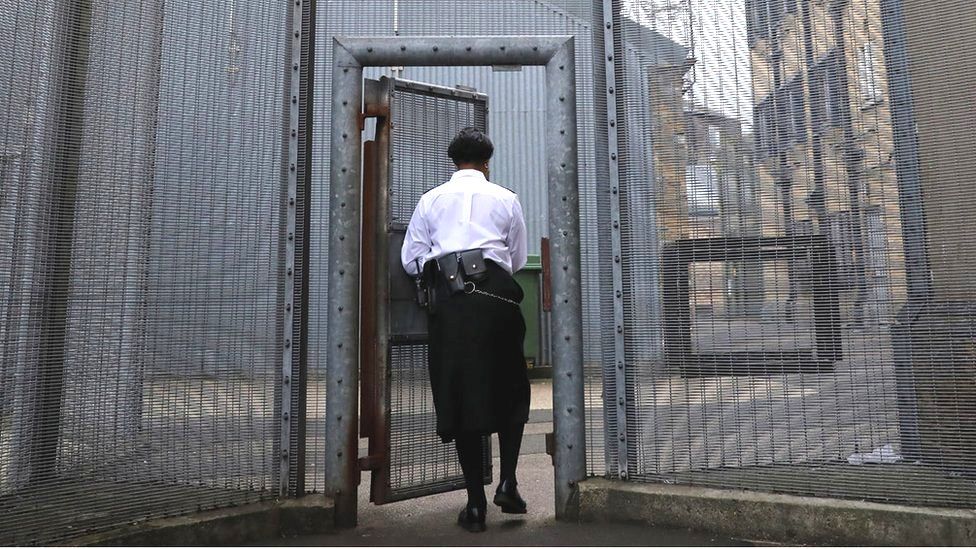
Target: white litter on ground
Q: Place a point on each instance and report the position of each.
(884, 455)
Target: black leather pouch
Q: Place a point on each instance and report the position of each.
(474, 265)
(449, 268)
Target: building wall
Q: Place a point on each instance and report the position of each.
(722, 201)
(670, 152)
(941, 52)
(872, 128)
(825, 145)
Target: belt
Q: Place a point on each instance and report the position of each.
(461, 268)
(457, 272)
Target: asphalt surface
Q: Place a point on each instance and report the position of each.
(431, 521)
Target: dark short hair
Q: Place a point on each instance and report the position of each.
(470, 145)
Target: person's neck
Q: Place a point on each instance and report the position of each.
(483, 169)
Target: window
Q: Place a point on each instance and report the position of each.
(765, 124)
(714, 137)
(764, 16)
(827, 94)
(702, 186)
(778, 10)
(796, 106)
(757, 20)
(843, 240)
(868, 76)
(791, 112)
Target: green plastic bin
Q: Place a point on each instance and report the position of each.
(530, 278)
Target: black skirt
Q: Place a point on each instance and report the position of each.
(476, 360)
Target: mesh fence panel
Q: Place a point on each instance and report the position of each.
(423, 127)
(795, 181)
(792, 323)
(139, 260)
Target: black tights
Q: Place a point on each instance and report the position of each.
(470, 452)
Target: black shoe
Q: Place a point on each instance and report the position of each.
(507, 497)
(472, 518)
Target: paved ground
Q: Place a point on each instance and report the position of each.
(431, 520)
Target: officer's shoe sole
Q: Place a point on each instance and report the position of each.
(509, 505)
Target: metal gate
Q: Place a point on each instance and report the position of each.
(407, 156)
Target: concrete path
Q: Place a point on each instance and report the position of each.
(431, 521)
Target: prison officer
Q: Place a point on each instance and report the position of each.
(476, 330)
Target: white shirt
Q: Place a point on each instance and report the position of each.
(466, 213)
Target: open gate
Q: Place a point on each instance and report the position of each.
(407, 156)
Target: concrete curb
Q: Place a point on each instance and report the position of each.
(775, 517)
(309, 515)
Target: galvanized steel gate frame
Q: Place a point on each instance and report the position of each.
(350, 56)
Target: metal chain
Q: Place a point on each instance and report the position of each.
(475, 290)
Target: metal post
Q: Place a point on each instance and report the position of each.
(912, 214)
(567, 316)
(290, 196)
(65, 148)
(618, 400)
(295, 215)
(342, 379)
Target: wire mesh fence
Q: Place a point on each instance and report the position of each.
(776, 254)
(140, 261)
(782, 234)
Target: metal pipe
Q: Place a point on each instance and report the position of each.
(342, 380)
(567, 323)
(381, 285)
